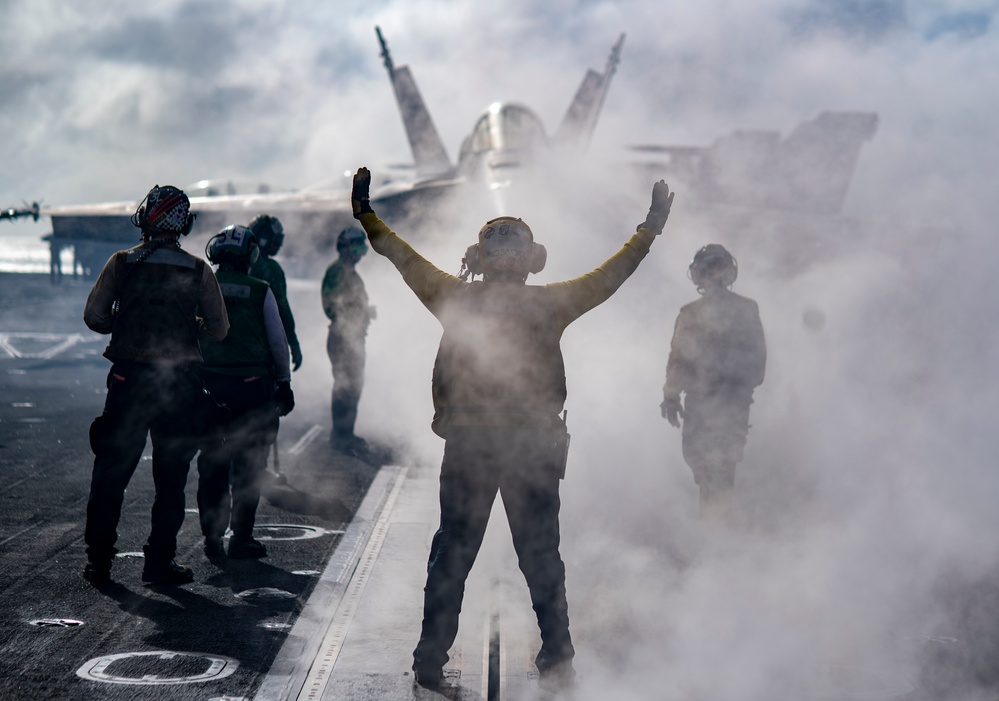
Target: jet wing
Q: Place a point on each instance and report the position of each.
(428, 150)
(584, 111)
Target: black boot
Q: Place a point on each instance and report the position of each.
(166, 572)
(98, 572)
(246, 548)
(214, 549)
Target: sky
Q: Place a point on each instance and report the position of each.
(868, 481)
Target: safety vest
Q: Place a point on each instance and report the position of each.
(244, 351)
(499, 361)
(157, 298)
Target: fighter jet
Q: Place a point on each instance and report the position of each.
(507, 138)
(785, 194)
(809, 171)
(782, 197)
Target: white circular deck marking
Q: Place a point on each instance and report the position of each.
(297, 532)
(274, 625)
(218, 668)
(39, 345)
(57, 623)
(264, 593)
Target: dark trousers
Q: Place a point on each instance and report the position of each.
(347, 360)
(158, 400)
(519, 464)
(715, 427)
(235, 455)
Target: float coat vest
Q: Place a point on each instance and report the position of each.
(244, 351)
(157, 303)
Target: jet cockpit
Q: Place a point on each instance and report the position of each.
(506, 136)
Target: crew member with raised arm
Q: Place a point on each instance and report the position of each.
(498, 390)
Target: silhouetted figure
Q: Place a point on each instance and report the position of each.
(155, 300)
(717, 358)
(249, 373)
(498, 388)
(270, 237)
(345, 303)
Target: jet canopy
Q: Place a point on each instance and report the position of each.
(505, 128)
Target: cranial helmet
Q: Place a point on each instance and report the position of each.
(269, 233)
(352, 242)
(506, 244)
(234, 242)
(713, 264)
(164, 210)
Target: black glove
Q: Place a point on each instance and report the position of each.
(360, 196)
(671, 409)
(284, 398)
(662, 200)
(296, 356)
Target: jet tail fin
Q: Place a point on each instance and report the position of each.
(819, 157)
(581, 118)
(428, 150)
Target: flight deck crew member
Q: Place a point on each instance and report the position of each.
(249, 373)
(155, 300)
(270, 236)
(717, 357)
(345, 303)
(498, 388)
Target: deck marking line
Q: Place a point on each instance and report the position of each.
(333, 642)
(290, 668)
(305, 440)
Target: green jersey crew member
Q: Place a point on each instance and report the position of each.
(498, 388)
(345, 303)
(269, 234)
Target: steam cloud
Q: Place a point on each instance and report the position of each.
(867, 485)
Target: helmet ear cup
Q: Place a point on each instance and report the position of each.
(731, 274)
(538, 258)
(254, 253)
(473, 259)
(210, 248)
